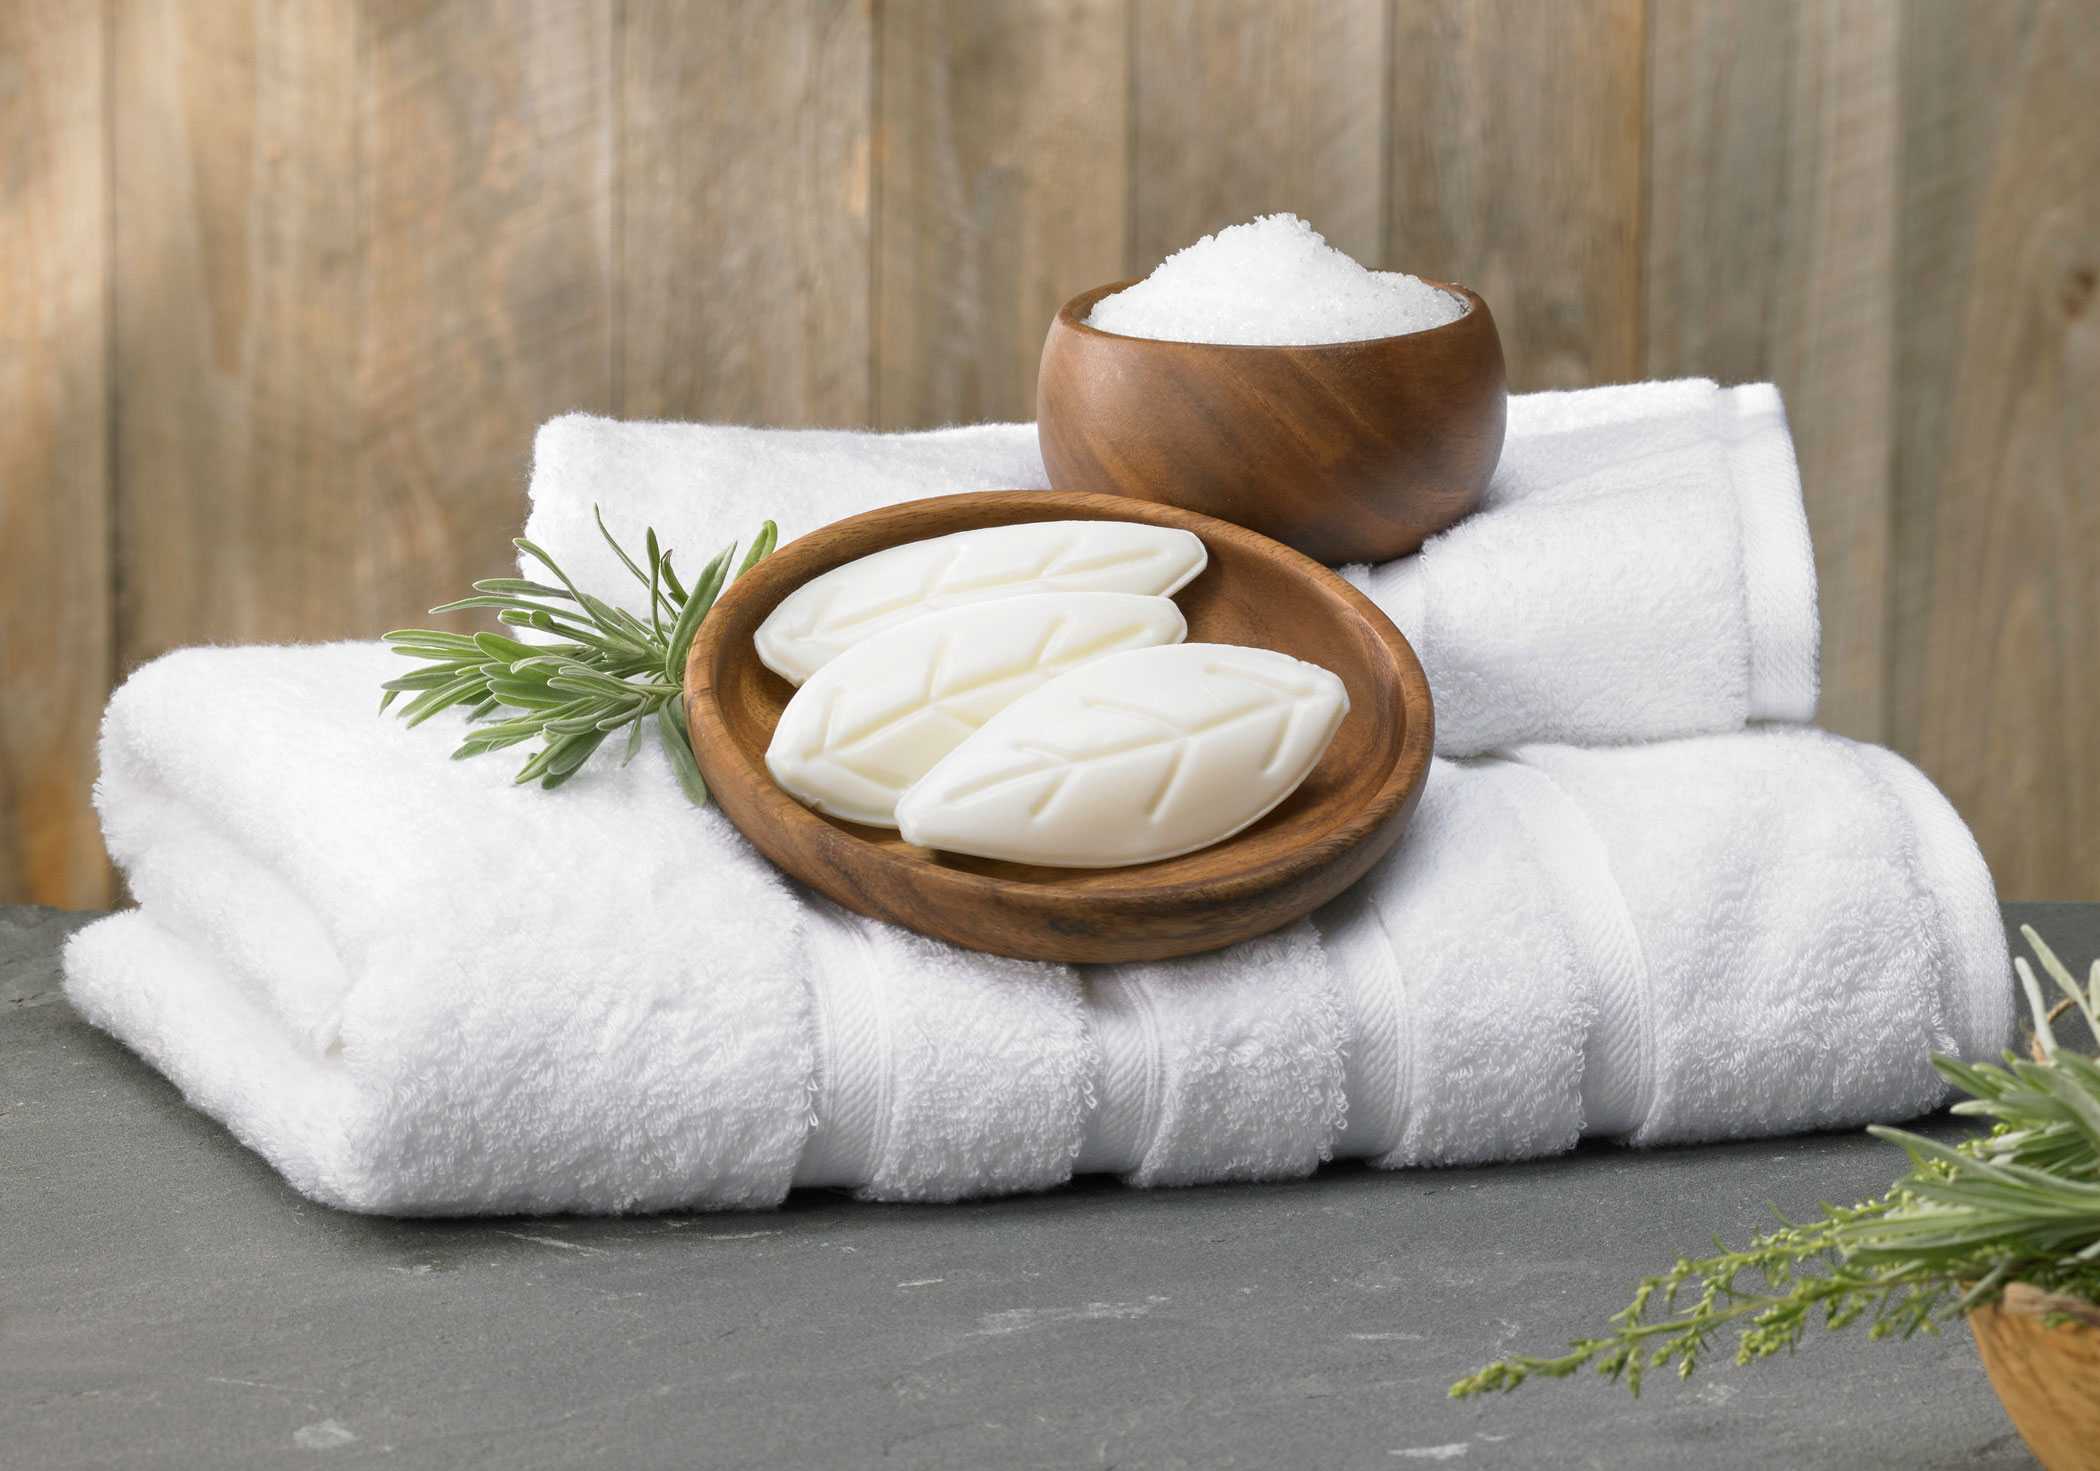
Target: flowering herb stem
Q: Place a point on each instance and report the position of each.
(2020, 1203)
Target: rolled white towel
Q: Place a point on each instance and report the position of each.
(414, 987)
(1640, 569)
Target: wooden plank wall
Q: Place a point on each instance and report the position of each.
(56, 650)
(288, 285)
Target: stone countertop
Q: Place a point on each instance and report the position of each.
(166, 1300)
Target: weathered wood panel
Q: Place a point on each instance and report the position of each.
(54, 467)
(237, 301)
(1255, 106)
(1997, 622)
(745, 221)
(485, 186)
(1770, 253)
(1516, 144)
(364, 251)
(1002, 153)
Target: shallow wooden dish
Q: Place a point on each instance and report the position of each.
(1348, 451)
(1345, 817)
(2045, 1372)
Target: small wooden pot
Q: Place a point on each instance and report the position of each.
(1347, 451)
(2046, 1374)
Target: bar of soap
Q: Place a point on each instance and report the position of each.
(830, 613)
(876, 719)
(1131, 758)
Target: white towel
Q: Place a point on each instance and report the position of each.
(414, 987)
(1640, 569)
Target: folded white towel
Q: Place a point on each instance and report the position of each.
(395, 980)
(414, 987)
(1640, 569)
(940, 1072)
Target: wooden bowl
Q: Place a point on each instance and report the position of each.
(1348, 451)
(1317, 842)
(2046, 1374)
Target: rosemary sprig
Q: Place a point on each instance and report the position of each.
(2019, 1204)
(602, 670)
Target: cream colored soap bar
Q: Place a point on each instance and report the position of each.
(1131, 758)
(830, 613)
(876, 719)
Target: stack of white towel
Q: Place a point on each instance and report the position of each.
(415, 988)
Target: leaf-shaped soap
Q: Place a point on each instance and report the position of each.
(832, 612)
(1131, 758)
(876, 719)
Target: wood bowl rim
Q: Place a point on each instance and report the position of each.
(2025, 1300)
(1071, 316)
(780, 574)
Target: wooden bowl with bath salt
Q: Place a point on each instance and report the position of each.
(1348, 451)
(1345, 816)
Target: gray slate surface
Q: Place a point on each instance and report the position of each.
(166, 1301)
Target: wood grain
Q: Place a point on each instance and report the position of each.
(1770, 254)
(365, 252)
(2000, 273)
(1323, 837)
(2044, 1371)
(1347, 451)
(55, 633)
(1246, 107)
(1516, 169)
(485, 186)
(745, 229)
(237, 302)
(1002, 148)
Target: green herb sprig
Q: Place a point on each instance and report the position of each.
(602, 669)
(2018, 1204)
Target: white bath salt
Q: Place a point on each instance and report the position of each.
(1274, 281)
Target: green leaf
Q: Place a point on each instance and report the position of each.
(575, 751)
(634, 736)
(656, 596)
(761, 547)
(705, 591)
(430, 678)
(430, 702)
(620, 622)
(677, 588)
(618, 550)
(429, 643)
(596, 607)
(670, 729)
(484, 600)
(522, 585)
(507, 650)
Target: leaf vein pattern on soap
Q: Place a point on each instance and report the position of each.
(1280, 700)
(939, 700)
(940, 583)
(826, 619)
(1283, 731)
(1166, 784)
